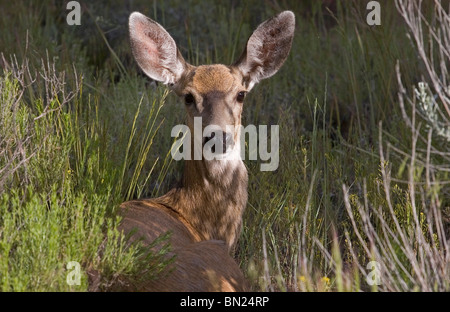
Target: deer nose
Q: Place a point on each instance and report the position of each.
(219, 138)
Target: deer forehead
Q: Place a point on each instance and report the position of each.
(214, 78)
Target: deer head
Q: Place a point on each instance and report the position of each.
(215, 93)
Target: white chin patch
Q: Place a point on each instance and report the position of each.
(226, 162)
(224, 165)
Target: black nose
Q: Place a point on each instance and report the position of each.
(209, 138)
(223, 138)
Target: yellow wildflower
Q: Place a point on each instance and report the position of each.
(326, 280)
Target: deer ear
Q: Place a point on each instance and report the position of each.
(155, 50)
(267, 48)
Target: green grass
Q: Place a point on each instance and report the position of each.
(81, 130)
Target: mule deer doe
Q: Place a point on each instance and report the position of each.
(204, 213)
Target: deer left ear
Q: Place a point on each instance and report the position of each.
(267, 48)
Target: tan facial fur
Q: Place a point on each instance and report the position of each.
(215, 89)
(213, 78)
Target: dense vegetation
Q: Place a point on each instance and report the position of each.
(364, 171)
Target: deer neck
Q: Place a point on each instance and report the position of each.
(212, 198)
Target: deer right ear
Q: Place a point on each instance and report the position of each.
(267, 48)
(155, 50)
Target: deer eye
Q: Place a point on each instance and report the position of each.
(189, 99)
(241, 96)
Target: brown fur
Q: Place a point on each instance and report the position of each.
(195, 267)
(201, 266)
(206, 208)
(204, 214)
(198, 213)
(212, 78)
